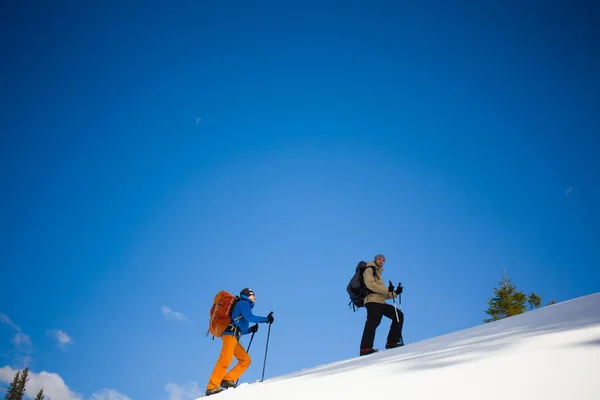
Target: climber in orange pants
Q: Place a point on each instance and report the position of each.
(241, 316)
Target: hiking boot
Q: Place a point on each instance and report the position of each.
(391, 345)
(213, 391)
(364, 352)
(226, 384)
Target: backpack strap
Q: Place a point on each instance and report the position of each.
(375, 274)
(233, 327)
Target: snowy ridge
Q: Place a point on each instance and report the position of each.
(552, 353)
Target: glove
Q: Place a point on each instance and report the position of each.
(253, 328)
(270, 317)
(391, 287)
(399, 289)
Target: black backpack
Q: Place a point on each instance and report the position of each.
(356, 288)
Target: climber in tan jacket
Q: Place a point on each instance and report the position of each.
(377, 308)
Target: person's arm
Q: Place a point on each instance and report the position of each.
(247, 313)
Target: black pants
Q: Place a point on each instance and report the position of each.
(375, 311)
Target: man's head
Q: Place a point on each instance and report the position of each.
(379, 260)
(248, 293)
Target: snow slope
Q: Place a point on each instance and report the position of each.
(552, 353)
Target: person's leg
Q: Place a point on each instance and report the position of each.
(243, 363)
(374, 314)
(225, 358)
(395, 334)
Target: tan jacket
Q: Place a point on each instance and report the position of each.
(376, 284)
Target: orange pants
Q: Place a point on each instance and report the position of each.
(231, 347)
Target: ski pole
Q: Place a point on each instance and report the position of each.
(400, 300)
(396, 309)
(400, 296)
(251, 337)
(394, 300)
(266, 349)
(247, 350)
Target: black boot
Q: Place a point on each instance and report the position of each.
(390, 345)
(364, 352)
(225, 384)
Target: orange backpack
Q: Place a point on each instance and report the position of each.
(220, 313)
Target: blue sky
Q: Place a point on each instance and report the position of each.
(152, 155)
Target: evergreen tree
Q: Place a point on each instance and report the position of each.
(16, 389)
(507, 301)
(20, 389)
(12, 389)
(534, 301)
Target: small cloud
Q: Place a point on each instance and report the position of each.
(62, 338)
(109, 394)
(170, 314)
(198, 120)
(189, 391)
(571, 191)
(22, 343)
(22, 340)
(54, 386)
(5, 320)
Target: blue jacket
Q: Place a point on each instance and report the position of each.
(243, 308)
